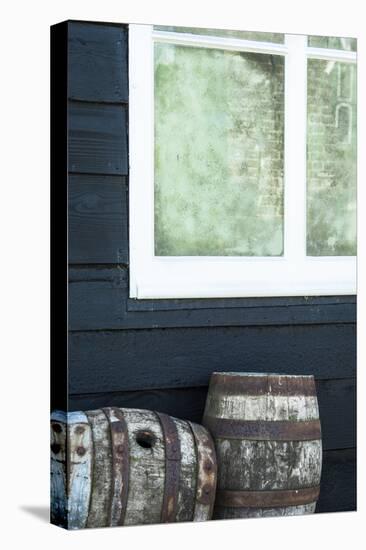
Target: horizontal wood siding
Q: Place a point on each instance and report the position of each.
(97, 219)
(142, 359)
(98, 62)
(338, 481)
(159, 354)
(98, 138)
(99, 300)
(188, 403)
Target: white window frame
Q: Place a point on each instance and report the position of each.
(294, 273)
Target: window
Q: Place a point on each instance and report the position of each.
(242, 164)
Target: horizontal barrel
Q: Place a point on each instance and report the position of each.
(267, 436)
(118, 466)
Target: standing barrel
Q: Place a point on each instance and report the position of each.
(267, 436)
(117, 466)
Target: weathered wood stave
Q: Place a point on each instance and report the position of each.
(267, 435)
(117, 466)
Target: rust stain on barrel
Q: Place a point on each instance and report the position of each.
(172, 468)
(267, 499)
(120, 464)
(207, 468)
(277, 430)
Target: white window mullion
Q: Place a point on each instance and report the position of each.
(295, 148)
(141, 151)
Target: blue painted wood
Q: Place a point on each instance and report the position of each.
(338, 482)
(98, 230)
(97, 138)
(337, 410)
(230, 303)
(98, 300)
(98, 68)
(172, 358)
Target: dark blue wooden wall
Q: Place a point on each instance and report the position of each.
(159, 354)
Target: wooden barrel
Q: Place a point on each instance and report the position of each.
(118, 466)
(267, 436)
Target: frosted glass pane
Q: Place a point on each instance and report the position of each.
(276, 38)
(218, 152)
(333, 42)
(331, 159)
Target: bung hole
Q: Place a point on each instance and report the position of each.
(145, 439)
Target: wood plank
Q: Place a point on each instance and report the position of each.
(336, 405)
(337, 409)
(99, 300)
(185, 403)
(97, 138)
(338, 482)
(98, 230)
(230, 303)
(98, 62)
(146, 359)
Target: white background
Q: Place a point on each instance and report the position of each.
(24, 219)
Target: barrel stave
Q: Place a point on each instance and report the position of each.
(101, 488)
(262, 407)
(259, 465)
(79, 469)
(147, 467)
